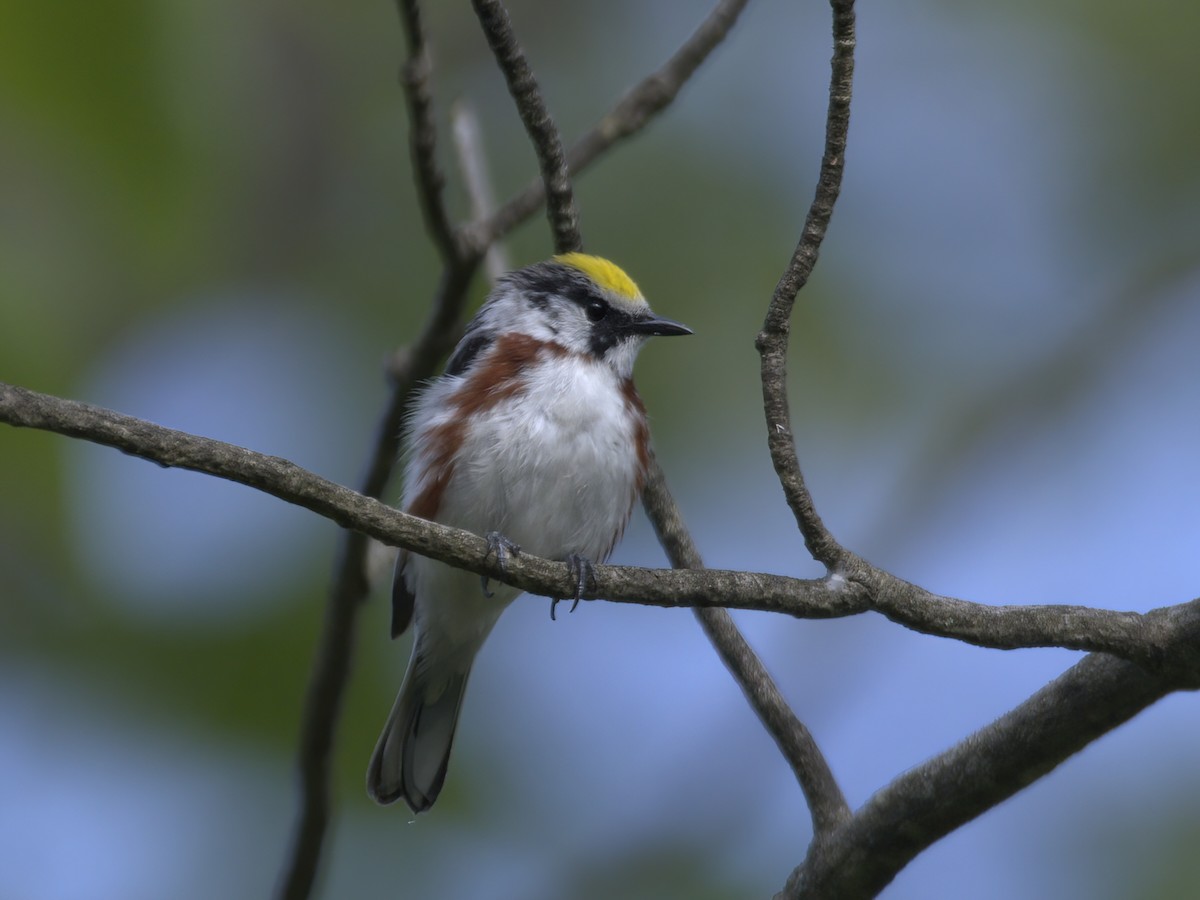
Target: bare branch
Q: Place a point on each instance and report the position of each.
(407, 368)
(331, 665)
(351, 583)
(656, 92)
(415, 77)
(826, 802)
(852, 855)
(825, 798)
(547, 143)
(1094, 697)
(861, 856)
(322, 707)
(634, 111)
(928, 802)
(283, 479)
(773, 340)
(472, 163)
(1143, 638)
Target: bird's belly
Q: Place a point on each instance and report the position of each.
(556, 475)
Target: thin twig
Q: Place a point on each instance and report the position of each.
(547, 143)
(629, 115)
(863, 855)
(654, 93)
(826, 802)
(773, 340)
(472, 164)
(322, 708)
(415, 77)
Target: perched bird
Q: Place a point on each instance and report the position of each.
(536, 437)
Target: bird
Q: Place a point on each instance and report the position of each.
(535, 437)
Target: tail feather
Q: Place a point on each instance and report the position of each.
(413, 752)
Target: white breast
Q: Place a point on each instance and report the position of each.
(553, 468)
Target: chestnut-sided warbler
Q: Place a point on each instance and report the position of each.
(536, 437)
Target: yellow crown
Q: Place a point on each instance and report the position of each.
(607, 275)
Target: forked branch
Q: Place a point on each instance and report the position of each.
(461, 251)
(640, 105)
(827, 805)
(1149, 639)
(928, 802)
(773, 340)
(547, 143)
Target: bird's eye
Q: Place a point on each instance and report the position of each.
(596, 310)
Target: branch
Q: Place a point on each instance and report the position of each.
(862, 855)
(561, 211)
(1131, 635)
(826, 803)
(1143, 638)
(655, 92)
(351, 584)
(634, 111)
(415, 78)
(825, 798)
(772, 342)
(331, 665)
(472, 164)
(928, 802)
(280, 478)
(1092, 698)
(461, 252)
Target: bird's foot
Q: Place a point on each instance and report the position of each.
(583, 572)
(500, 547)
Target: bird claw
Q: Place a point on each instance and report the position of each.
(583, 572)
(500, 547)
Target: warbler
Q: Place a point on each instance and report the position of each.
(534, 436)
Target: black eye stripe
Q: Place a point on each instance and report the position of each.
(576, 289)
(583, 294)
(543, 281)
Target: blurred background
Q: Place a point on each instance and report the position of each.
(207, 220)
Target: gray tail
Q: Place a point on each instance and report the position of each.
(412, 754)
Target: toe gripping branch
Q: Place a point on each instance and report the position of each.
(584, 573)
(500, 547)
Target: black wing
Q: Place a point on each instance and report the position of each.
(472, 344)
(402, 600)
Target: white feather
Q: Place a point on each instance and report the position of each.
(552, 467)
